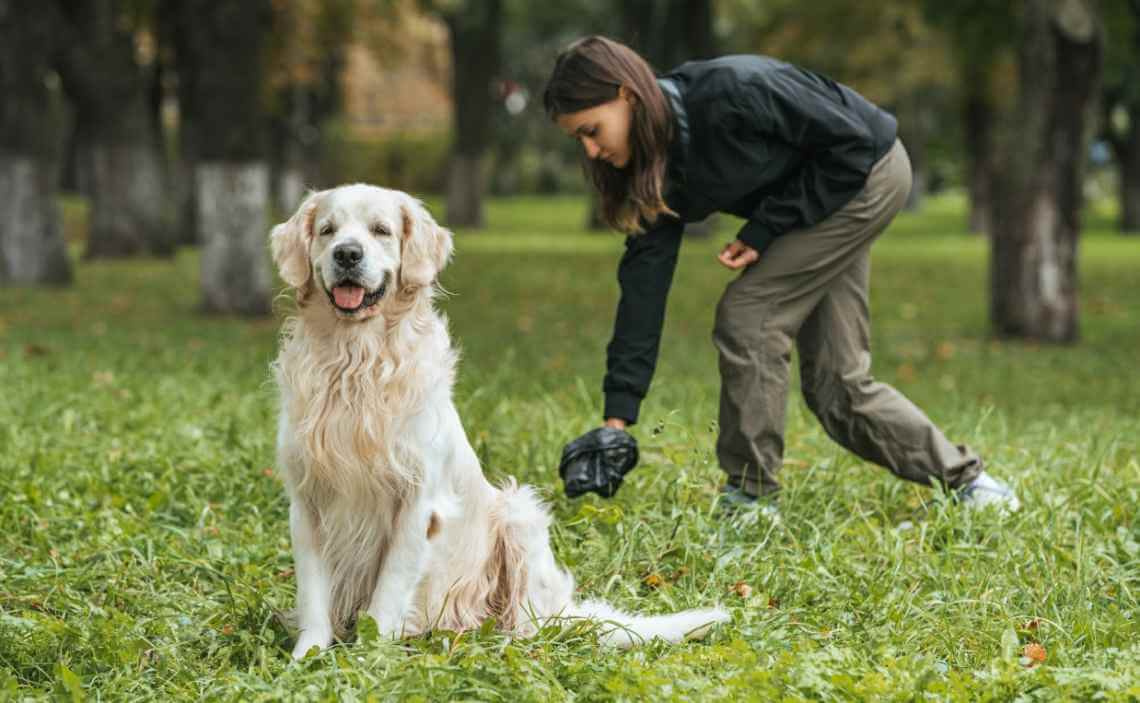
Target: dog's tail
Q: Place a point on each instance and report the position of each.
(527, 587)
(620, 629)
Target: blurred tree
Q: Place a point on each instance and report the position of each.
(886, 50)
(307, 48)
(668, 32)
(475, 29)
(983, 50)
(117, 126)
(221, 47)
(1120, 120)
(1039, 177)
(32, 249)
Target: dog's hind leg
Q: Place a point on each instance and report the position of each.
(314, 584)
(403, 568)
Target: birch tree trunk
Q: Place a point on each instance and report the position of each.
(1033, 270)
(232, 215)
(120, 161)
(220, 46)
(32, 250)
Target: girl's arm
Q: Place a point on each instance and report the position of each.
(645, 274)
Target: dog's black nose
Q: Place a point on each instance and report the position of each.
(348, 254)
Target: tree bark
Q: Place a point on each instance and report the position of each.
(32, 250)
(1037, 215)
(1127, 152)
(232, 200)
(476, 55)
(220, 53)
(979, 120)
(120, 157)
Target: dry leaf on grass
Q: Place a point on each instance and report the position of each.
(1033, 654)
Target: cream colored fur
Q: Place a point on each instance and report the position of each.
(389, 510)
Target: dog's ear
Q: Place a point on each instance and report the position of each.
(290, 243)
(425, 246)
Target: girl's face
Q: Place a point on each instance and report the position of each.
(603, 129)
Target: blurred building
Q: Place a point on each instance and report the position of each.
(400, 89)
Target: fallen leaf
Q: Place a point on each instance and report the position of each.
(906, 373)
(773, 602)
(1035, 653)
(267, 471)
(742, 589)
(227, 629)
(1031, 625)
(36, 350)
(944, 351)
(654, 581)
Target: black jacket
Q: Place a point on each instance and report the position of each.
(770, 142)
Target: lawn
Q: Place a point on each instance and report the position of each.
(144, 546)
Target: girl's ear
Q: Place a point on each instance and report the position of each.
(289, 242)
(627, 95)
(425, 247)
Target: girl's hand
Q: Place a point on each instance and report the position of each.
(737, 255)
(616, 423)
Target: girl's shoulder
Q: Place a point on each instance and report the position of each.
(725, 76)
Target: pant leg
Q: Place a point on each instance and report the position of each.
(762, 310)
(869, 418)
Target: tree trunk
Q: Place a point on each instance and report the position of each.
(917, 124)
(120, 158)
(1037, 215)
(232, 200)
(465, 186)
(979, 119)
(1128, 156)
(699, 40)
(128, 201)
(32, 250)
(220, 46)
(475, 52)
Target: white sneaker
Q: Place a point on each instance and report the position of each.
(985, 490)
(735, 502)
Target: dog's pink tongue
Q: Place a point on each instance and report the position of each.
(348, 297)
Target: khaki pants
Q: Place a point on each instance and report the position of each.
(811, 287)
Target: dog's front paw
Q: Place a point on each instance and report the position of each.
(309, 639)
(389, 625)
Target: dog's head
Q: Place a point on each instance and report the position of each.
(356, 246)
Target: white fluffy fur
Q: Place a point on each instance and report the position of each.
(390, 512)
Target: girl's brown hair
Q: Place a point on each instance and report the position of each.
(590, 72)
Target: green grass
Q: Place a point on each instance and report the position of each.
(143, 539)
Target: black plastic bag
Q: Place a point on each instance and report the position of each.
(597, 461)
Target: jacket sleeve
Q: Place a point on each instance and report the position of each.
(644, 274)
(838, 148)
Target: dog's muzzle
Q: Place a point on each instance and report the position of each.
(349, 296)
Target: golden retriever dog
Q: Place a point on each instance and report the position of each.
(389, 510)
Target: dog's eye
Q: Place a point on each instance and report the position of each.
(379, 230)
(327, 230)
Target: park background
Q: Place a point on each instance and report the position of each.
(147, 146)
